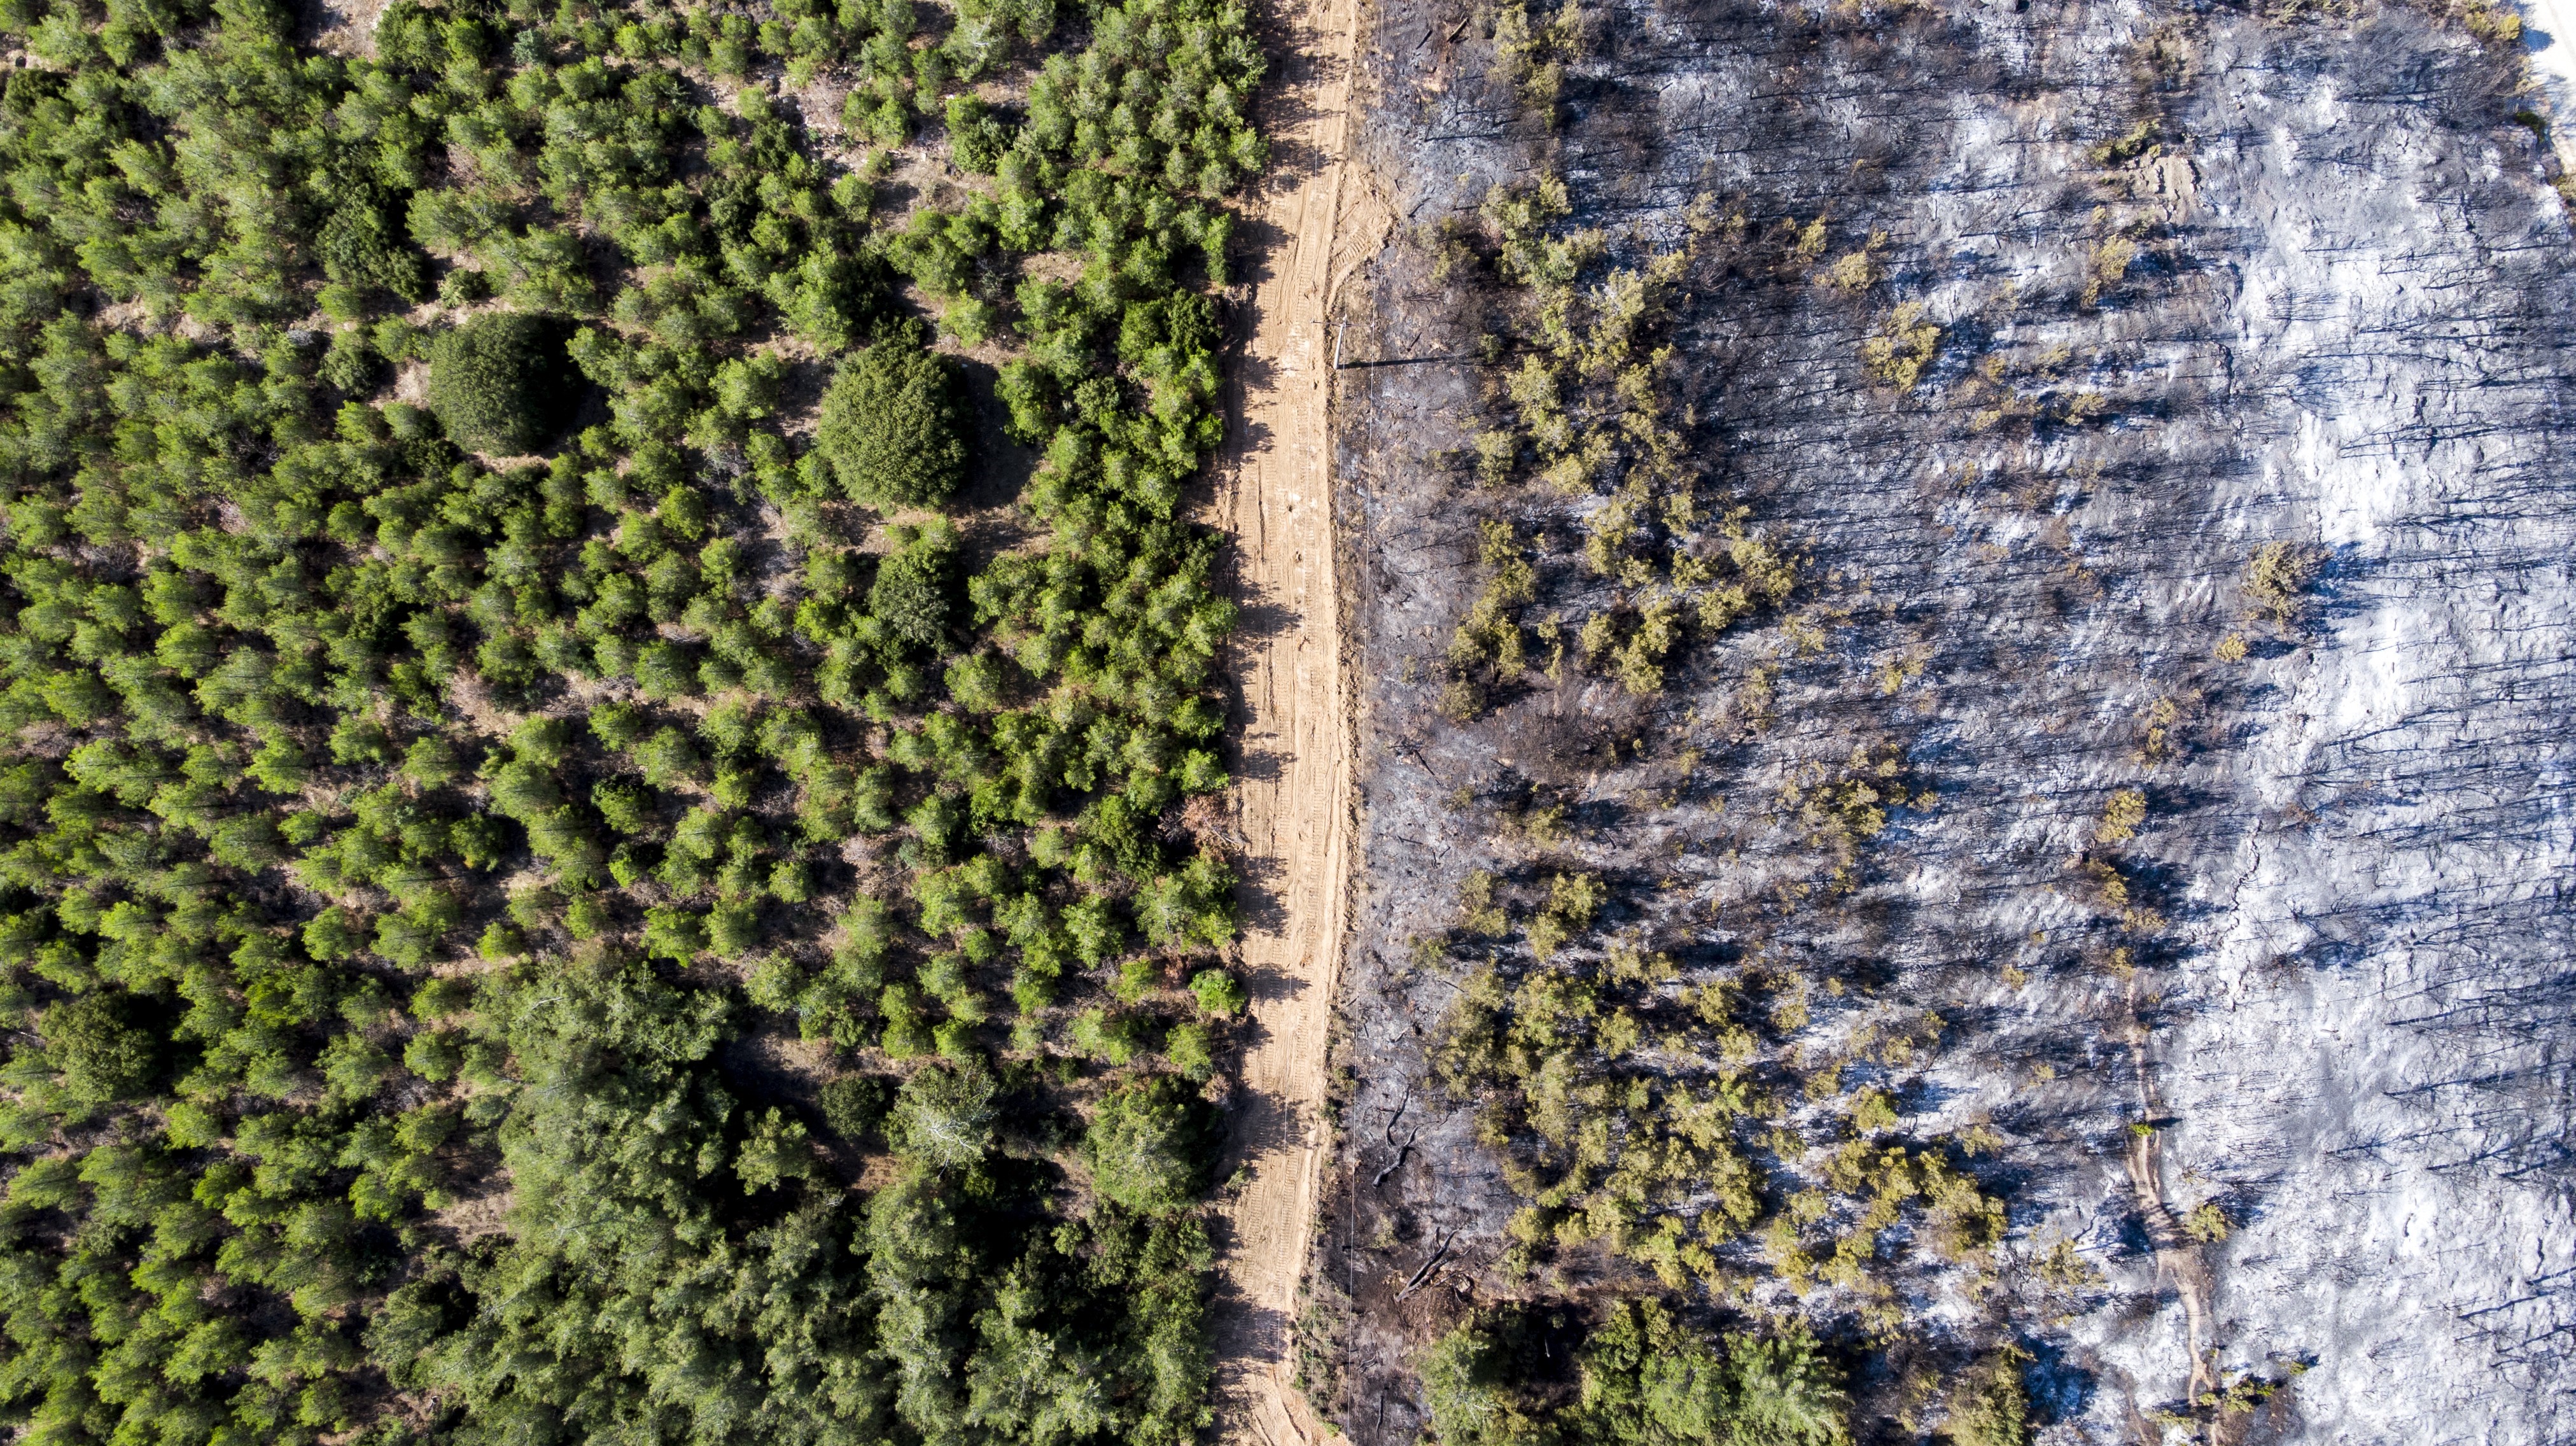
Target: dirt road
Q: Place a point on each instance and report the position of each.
(1276, 499)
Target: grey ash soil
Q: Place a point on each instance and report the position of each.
(2347, 326)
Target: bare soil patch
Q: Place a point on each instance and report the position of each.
(1292, 811)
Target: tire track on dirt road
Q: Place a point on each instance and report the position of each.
(1293, 801)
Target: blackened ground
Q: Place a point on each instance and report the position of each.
(2345, 326)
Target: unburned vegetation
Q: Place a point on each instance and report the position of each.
(599, 834)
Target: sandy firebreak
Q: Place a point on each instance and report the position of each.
(1275, 498)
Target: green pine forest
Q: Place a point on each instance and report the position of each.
(603, 697)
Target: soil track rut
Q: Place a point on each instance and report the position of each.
(1275, 497)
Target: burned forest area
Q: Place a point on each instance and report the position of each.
(1341, 723)
(1958, 630)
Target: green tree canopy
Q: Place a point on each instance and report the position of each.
(893, 428)
(1468, 1385)
(1647, 1380)
(99, 1043)
(1148, 1146)
(502, 383)
(910, 596)
(854, 1105)
(367, 850)
(944, 1117)
(1991, 1407)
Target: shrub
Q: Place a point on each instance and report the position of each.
(433, 1055)
(910, 596)
(2121, 817)
(1116, 1040)
(1148, 1146)
(943, 1117)
(674, 934)
(893, 425)
(854, 1105)
(2278, 577)
(1853, 271)
(1646, 1378)
(1903, 350)
(358, 246)
(2492, 23)
(100, 1045)
(1477, 911)
(774, 1150)
(1992, 1408)
(1785, 1391)
(1219, 993)
(975, 139)
(1572, 901)
(1465, 1383)
(1190, 1050)
(502, 383)
(2108, 262)
(2206, 1223)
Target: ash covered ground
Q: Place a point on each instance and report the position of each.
(2335, 1002)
